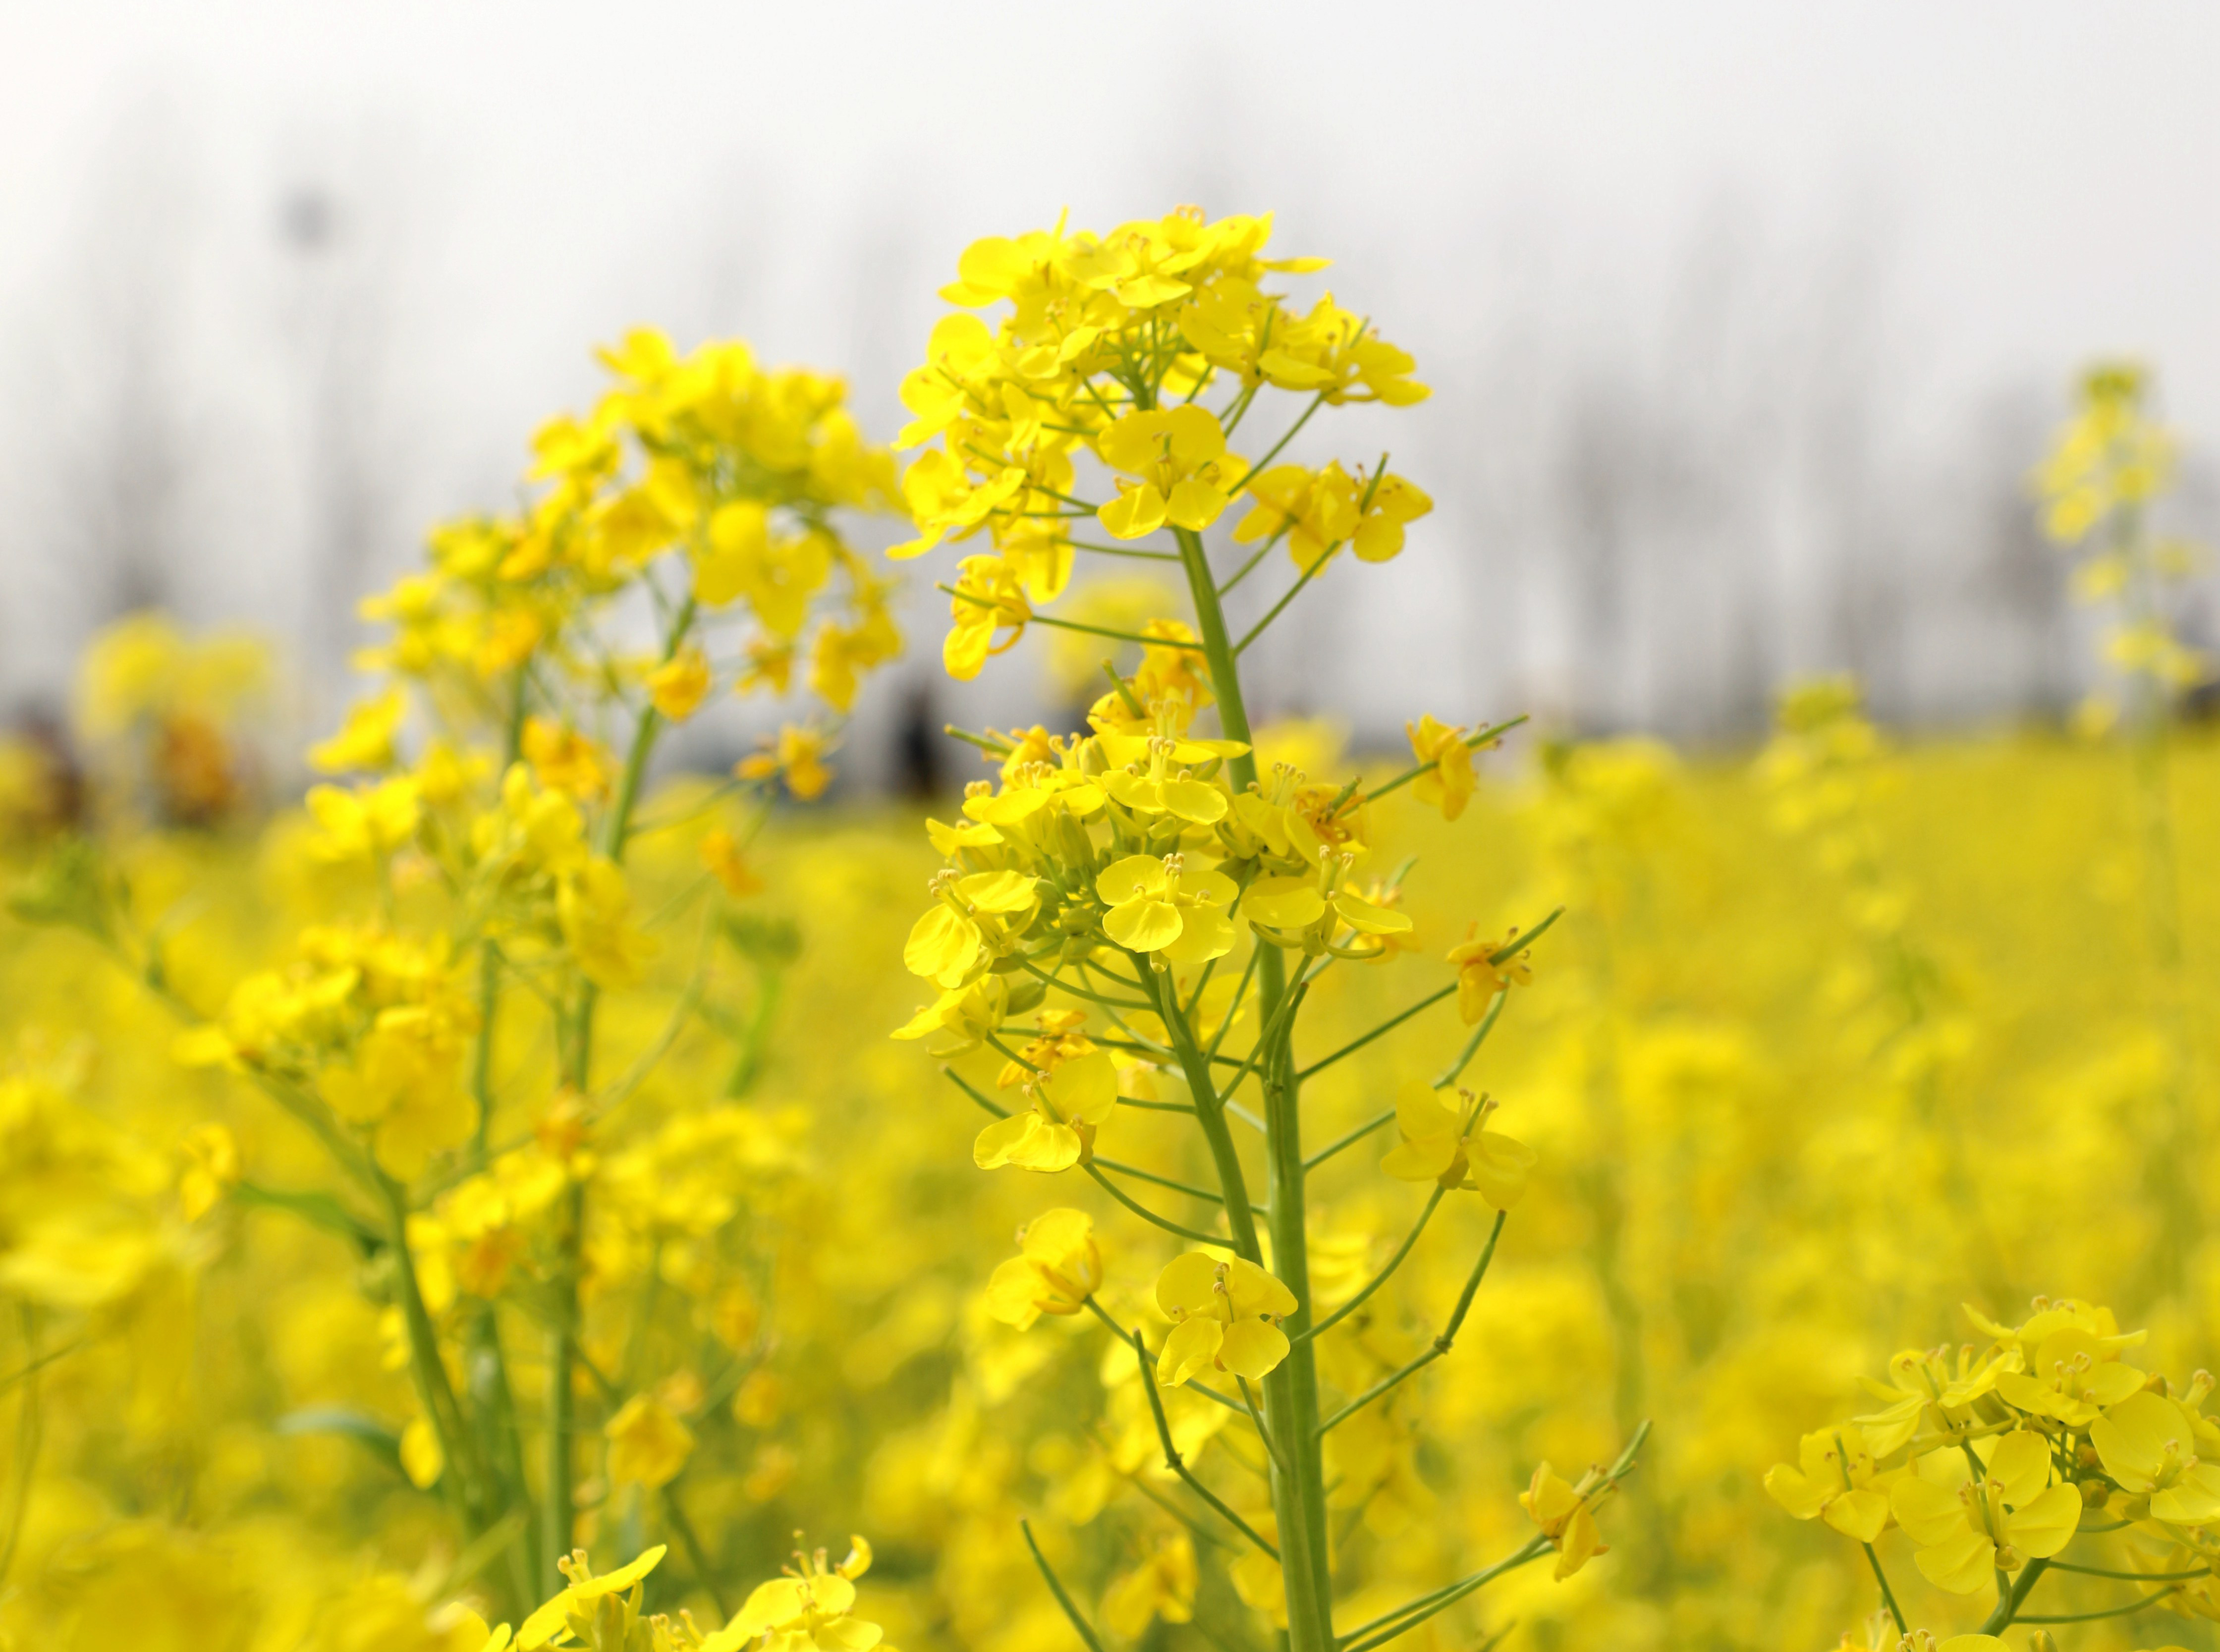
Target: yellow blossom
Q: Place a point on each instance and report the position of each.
(1447, 781)
(678, 686)
(1227, 1313)
(797, 757)
(1566, 1514)
(1447, 1142)
(648, 1445)
(366, 739)
(1058, 1266)
(1967, 1529)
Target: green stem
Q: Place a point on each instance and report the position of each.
(1172, 1459)
(1887, 1595)
(1351, 1139)
(1380, 1032)
(1056, 1589)
(2007, 1608)
(1291, 1393)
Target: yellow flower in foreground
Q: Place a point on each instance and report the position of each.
(1178, 458)
(1968, 1530)
(1069, 1105)
(1058, 1266)
(798, 758)
(1448, 781)
(2149, 1444)
(1831, 1486)
(1920, 1380)
(648, 1445)
(1566, 1514)
(1158, 905)
(575, 1609)
(806, 1611)
(989, 600)
(679, 685)
(1444, 1141)
(1228, 1315)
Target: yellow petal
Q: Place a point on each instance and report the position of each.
(2048, 1522)
(1133, 514)
(1796, 1491)
(1860, 1513)
(1143, 925)
(942, 944)
(1250, 1348)
(1188, 1283)
(1927, 1513)
(1191, 1350)
(1964, 1565)
(1128, 879)
(1284, 902)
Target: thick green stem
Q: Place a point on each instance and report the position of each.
(1291, 1390)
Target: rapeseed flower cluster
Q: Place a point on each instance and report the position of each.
(1159, 902)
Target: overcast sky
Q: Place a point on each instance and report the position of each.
(525, 179)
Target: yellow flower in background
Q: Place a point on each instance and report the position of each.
(1833, 1480)
(1227, 1313)
(1966, 1528)
(1480, 978)
(563, 760)
(594, 907)
(367, 824)
(366, 740)
(1445, 1140)
(648, 1445)
(1161, 1586)
(211, 1169)
(2111, 454)
(723, 855)
(1566, 1513)
(677, 687)
(797, 757)
(1448, 781)
(421, 1458)
(1059, 1268)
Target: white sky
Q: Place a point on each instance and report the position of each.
(2047, 175)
